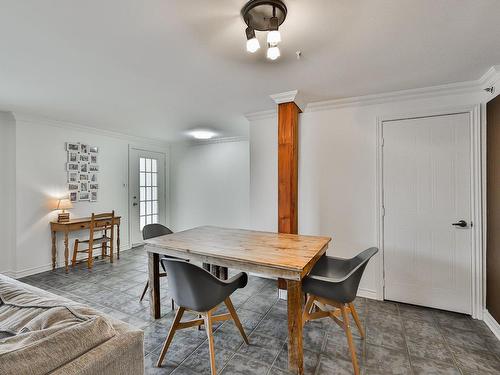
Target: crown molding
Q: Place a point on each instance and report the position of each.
(34, 119)
(289, 96)
(490, 78)
(202, 142)
(261, 115)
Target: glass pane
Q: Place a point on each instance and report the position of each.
(155, 207)
(142, 180)
(155, 218)
(142, 164)
(143, 209)
(148, 165)
(154, 178)
(143, 222)
(148, 179)
(148, 220)
(148, 208)
(148, 193)
(154, 168)
(142, 195)
(155, 194)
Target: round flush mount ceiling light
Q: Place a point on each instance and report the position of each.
(202, 134)
(264, 15)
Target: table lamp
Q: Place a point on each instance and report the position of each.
(63, 204)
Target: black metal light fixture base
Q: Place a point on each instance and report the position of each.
(257, 14)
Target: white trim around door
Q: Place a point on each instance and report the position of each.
(165, 216)
(477, 179)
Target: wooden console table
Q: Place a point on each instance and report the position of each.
(75, 225)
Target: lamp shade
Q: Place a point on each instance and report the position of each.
(64, 204)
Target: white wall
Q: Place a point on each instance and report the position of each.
(41, 178)
(337, 173)
(7, 193)
(209, 185)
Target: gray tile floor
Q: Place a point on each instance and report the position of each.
(401, 339)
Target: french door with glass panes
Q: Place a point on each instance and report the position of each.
(147, 191)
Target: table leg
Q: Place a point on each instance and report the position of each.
(154, 285)
(295, 348)
(66, 250)
(54, 250)
(118, 241)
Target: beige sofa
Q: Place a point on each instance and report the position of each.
(43, 333)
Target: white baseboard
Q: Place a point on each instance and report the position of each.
(32, 271)
(491, 323)
(282, 294)
(365, 293)
(43, 268)
(8, 273)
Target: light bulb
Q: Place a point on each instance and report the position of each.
(273, 37)
(253, 45)
(273, 53)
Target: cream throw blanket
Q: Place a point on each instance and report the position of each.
(38, 334)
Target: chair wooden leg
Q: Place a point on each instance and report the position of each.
(307, 309)
(144, 291)
(352, 349)
(90, 259)
(173, 304)
(103, 250)
(236, 319)
(356, 320)
(208, 327)
(75, 252)
(170, 336)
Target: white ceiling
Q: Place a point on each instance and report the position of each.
(156, 68)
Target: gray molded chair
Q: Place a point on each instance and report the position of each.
(195, 289)
(152, 231)
(334, 282)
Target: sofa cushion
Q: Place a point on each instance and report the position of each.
(40, 333)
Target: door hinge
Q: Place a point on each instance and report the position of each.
(383, 211)
(382, 142)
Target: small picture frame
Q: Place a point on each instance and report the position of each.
(84, 177)
(93, 186)
(93, 168)
(93, 196)
(93, 177)
(73, 186)
(94, 149)
(84, 186)
(72, 147)
(83, 196)
(84, 149)
(84, 168)
(93, 158)
(72, 167)
(73, 177)
(84, 158)
(73, 196)
(73, 157)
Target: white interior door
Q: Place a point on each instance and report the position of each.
(146, 190)
(426, 182)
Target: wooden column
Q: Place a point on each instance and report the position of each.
(288, 170)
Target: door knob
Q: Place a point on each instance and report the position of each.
(461, 223)
(135, 204)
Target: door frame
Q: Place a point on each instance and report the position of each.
(166, 181)
(476, 131)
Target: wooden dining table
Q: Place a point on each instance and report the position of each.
(285, 256)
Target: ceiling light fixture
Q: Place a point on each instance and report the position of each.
(202, 134)
(252, 42)
(264, 15)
